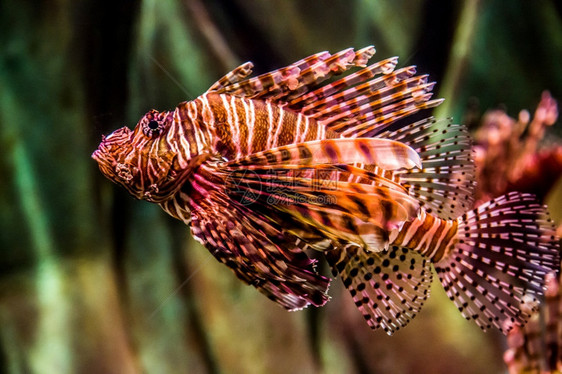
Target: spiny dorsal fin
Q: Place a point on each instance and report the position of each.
(389, 288)
(375, 104)
(237, 75)
(295, 79)
(305, 103)
(363, 103)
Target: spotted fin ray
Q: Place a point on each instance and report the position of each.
(235, 76)
(306, 103)
(375, 104)
(389, 288)
(496, 271)
(293, 80)
(445, 183)
(374, 97)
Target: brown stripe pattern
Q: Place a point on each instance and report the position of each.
(430, 236)
(262, 168)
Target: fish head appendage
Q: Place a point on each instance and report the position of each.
(143, 160)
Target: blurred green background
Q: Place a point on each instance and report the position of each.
(92, 281)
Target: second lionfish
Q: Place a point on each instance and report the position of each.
(264, 169)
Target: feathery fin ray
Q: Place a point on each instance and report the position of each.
(445, 183)
(389, 288)
(496, 271)
(256, 249)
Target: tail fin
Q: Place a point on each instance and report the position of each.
(496, 271)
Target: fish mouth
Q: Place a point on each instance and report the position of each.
(101, 153)
(105, 161)
(118, 138)
(97, 155)
(102, 156)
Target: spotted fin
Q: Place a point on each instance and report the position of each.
(369, 100)
(384, 153)
(389, 287)
(373, 105)
(296, 79)
(495, 274)
(256, 249)
(306, 103)
(237, 75)
(445, 183)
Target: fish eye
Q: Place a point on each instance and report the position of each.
(152, 128)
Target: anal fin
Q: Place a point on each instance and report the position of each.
(389, 287)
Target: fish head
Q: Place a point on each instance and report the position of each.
(143, 160)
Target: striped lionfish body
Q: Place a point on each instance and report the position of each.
(263, 169)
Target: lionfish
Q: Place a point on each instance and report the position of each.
(537, 346)
(266, 169)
